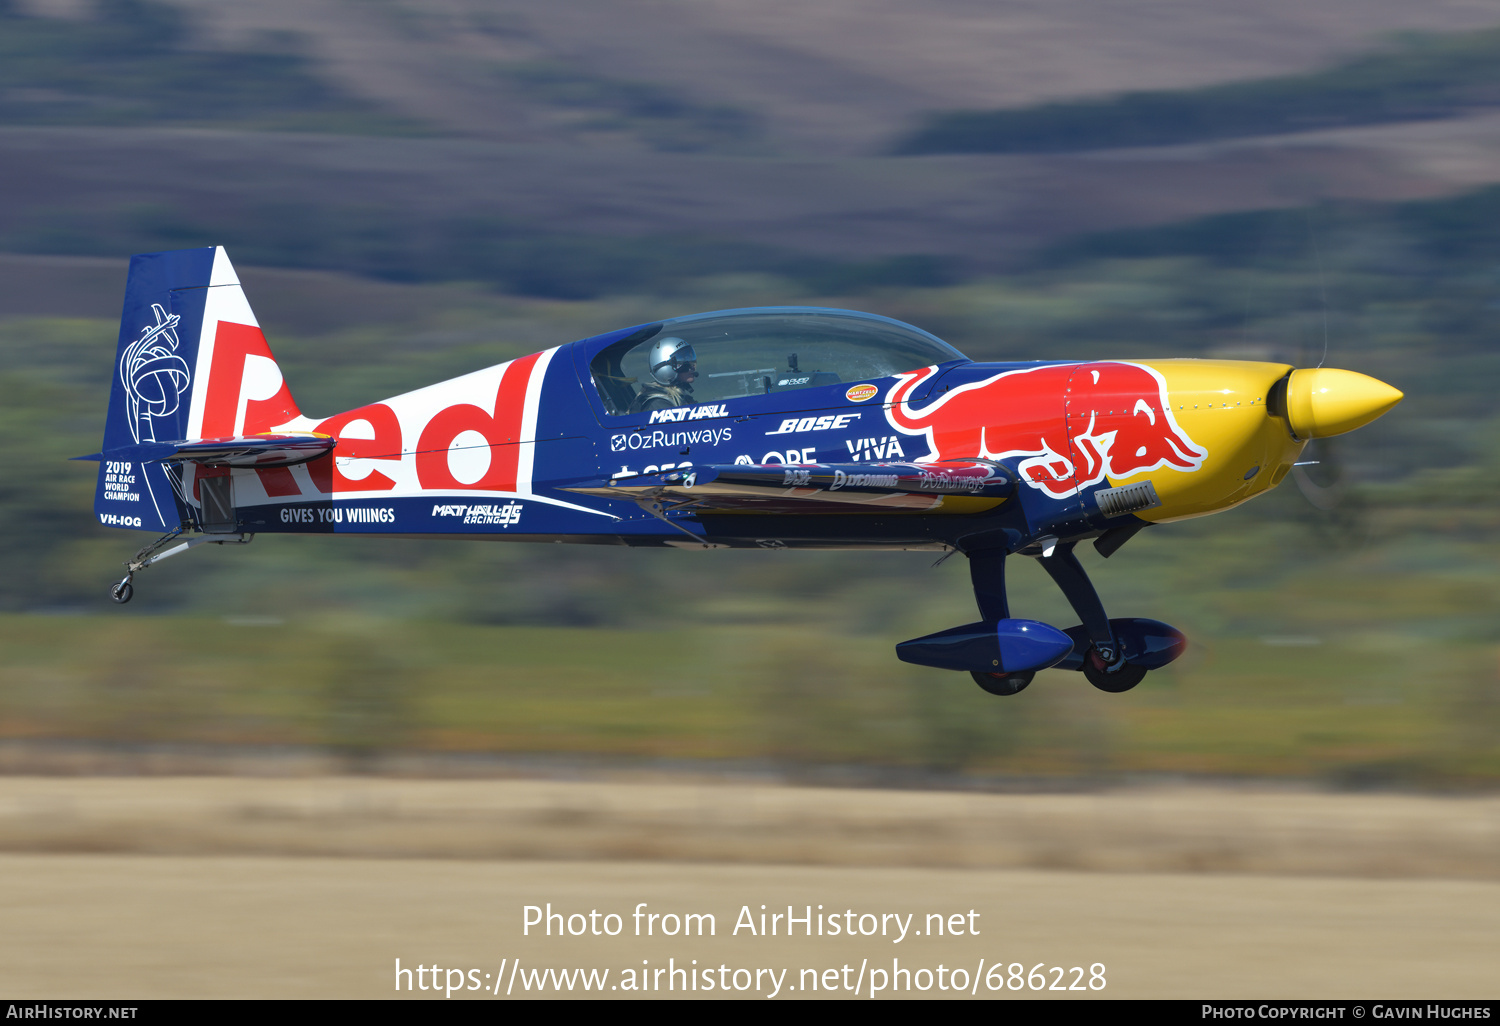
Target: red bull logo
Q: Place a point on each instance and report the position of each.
(1070, 426)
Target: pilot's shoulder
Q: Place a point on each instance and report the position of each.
(655, 397)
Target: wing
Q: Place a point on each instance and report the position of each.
(815, 487)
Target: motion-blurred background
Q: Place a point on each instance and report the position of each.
(415, 189)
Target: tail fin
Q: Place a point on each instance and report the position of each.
(192, 363)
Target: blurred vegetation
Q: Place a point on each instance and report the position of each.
(1357, 711)
(1422, 76)
(142, 62)
(1359, 646)
(132, 62)
(506, 255)
(592, 104)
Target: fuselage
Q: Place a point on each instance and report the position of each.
(770, 427)
(508, 452)
(539, 448)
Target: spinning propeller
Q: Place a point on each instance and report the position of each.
(1322, 454)
(1320, 403)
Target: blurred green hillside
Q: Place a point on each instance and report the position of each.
(468, 184)
(1424, 76)
(1358, 646)
(130, 62)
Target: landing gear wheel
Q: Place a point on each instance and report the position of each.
(122, 592)
(1003, 683)
(1122, 678)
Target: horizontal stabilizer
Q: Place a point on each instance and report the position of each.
(813, 487)
(279, 450)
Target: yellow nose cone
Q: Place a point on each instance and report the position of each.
(1321, 401)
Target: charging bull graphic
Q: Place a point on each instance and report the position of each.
(1073, 425)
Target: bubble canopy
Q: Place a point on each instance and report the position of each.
(765, 350)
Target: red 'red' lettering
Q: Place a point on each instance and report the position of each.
(278, 481)
(500, 430)
(385, 445)
(200, 472)
(322, 469)
(233, 345)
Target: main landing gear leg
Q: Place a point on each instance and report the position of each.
(1104, 666)
(987, 572)
(124, 590)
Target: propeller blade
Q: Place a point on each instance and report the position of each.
(1325, 497)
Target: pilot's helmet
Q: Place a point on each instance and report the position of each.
(670, 356)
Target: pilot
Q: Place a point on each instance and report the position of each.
(674, 368)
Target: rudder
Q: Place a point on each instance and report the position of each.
(191, 363)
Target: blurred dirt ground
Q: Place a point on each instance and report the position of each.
(121, 926)
(1193, 829)
(313, 887)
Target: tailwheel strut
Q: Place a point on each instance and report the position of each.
(123, 590)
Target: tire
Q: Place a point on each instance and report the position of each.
(122, 592)
(1002, 683)
(1121, 680)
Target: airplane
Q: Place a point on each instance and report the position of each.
(768, 427)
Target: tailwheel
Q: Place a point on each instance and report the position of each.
(122, 592)
(1121, 677)
(1003, 683)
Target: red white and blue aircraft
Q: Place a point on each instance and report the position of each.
(771, 427)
